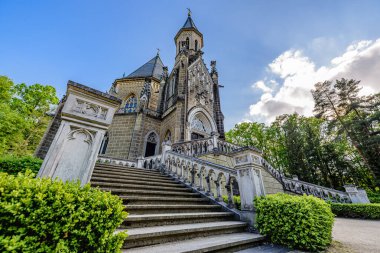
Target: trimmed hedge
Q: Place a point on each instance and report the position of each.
(364, 211)
(374, 196)
(41, 215)
(303, 222)
(236, 200)
(13, 165)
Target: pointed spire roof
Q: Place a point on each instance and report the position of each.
(189, 26)
(189, 23)
(153, 68)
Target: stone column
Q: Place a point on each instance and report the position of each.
(215, 136)
(247, 164)
(86, 115)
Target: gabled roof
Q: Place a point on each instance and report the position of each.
(153, 68)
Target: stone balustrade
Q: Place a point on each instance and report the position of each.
(194, 147)
(116, 161)
(213, 179)
(300, 187)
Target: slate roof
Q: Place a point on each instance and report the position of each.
(189, 23)
(153, 68)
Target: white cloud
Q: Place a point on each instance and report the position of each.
(296, 74)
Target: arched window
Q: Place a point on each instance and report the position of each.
(187, 43)
(130, 104)
(103, 146)
(196, 45)
(151, 147)
(168, 136)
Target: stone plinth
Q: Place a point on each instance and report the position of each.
(86, 115)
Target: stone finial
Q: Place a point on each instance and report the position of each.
(213, 67)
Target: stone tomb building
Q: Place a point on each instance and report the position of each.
(161, 105)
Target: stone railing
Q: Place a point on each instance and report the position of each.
(212, 179)
(226, 147)
(151, 162)
(300, 187)
(194, 147)
(116, 161)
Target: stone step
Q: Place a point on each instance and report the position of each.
(138, 200)
(138, 237)
(136, 181)
(138, 186)
(216, 243)
(132, 177)
(142, 193)
(127, 169)
(140, 174)
(177, 208)
(150, 220)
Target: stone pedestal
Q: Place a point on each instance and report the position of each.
(356, 195)
(247, 164)
(86, 115)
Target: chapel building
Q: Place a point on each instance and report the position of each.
(161, 105)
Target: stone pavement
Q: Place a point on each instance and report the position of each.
(363, 236)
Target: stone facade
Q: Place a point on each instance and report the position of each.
(157, 104)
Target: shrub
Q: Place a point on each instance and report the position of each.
(13, 165)
(364, 211)
(236, 200)
(303, 222)
(374, 196)
(42, 215)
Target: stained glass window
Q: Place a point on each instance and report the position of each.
(131, 104)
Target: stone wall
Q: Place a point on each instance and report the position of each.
(50, 133)
(120, 135)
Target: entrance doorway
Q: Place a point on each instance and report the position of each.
(151, 145)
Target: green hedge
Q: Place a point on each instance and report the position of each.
(41, 215)
(303, 222)
(13, 165)
(236, 200)
(374, 195)
(364, 211)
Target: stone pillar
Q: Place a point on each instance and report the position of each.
(215, 136)
(247, 164)
(356, 195)
(85, 117)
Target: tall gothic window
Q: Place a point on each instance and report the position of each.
(131, 104)
(104, 144)
(196, 45)
(187, 43)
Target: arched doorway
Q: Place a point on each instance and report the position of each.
(151, 144)
(201, 124)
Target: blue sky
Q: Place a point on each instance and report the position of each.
(272, 42)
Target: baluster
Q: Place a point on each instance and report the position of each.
(208, 190)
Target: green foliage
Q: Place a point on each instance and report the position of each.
(374, 196)
(23, 118)
(14, 165)
(364, 211)
(236, 200)
(303, 222)
(41, 215)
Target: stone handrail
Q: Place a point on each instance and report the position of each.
(116, 161)
(213, 179)
(194, 147)
(301, 187)
(224, 146)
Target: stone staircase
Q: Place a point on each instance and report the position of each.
(165, 215)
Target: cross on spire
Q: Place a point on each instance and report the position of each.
(189, 12)
(158, 51)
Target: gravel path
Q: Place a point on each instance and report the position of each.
(363, 236)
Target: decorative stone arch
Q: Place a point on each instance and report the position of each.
(200, 123)
(151, 144)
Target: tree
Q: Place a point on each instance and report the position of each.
(23, 118)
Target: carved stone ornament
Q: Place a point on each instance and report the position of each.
(199, 125)
(90, 109)
(200, 82)
(241, 159)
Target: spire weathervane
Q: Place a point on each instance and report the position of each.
(189, 12)
(158, 51)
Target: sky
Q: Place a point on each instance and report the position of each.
(269, 53)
